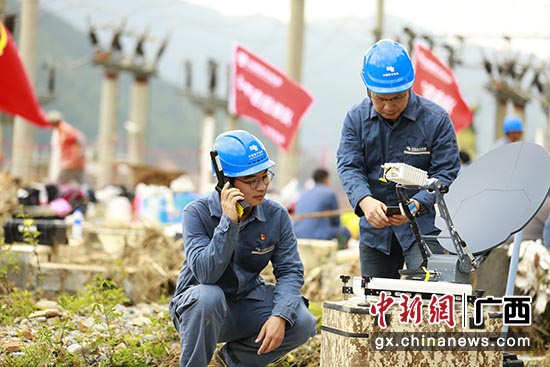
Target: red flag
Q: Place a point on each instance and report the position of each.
(437, 82)
(17, 95)
(263, 93)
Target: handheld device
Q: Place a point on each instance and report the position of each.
(243, 208)
(393, 210)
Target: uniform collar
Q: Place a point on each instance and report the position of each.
(409, 113)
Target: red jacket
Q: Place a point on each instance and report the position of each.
(72, 144)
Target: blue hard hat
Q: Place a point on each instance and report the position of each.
(387, 68)
(511, 124)
(241, 154)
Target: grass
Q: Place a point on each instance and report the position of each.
(104, 342)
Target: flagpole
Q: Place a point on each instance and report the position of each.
(288, 162)
(23, 131)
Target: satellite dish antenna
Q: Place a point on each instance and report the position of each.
(490, 200)
(496, 196)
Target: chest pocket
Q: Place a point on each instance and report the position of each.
(262, 250)
(418, 158)
(255, 257)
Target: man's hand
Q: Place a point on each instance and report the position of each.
(229, 197)
(375, 212)
(397, 220)
(272, 334)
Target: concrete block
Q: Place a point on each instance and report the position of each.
(347, 256)
(68, 278)
(29, 254)
(113, 241)
(75, 252)
(316, 253)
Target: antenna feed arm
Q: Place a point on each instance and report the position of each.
(434, 185)
(411, 178)
(467, 261)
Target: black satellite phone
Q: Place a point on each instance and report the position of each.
(242, 206)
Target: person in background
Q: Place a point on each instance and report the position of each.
(392, 125)
(534, 230)
(67, 161)
(184, 192)
(321, 203)
(220, 295)
(512, 127)
(465, 160)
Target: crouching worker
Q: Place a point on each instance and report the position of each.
(220, 295)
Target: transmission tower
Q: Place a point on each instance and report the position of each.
(114, 60)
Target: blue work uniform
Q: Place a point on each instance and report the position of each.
(220, 295)
(320, 198)
(422, 137)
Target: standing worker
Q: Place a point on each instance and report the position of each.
(68, 146)
(220, 295)
(512, 127)
(392, 125)
(321, 198)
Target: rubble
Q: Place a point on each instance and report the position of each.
(8, 192)
(145, 261)
(81, 333)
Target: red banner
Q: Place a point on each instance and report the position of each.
(437, 82)
(17, 95)
(263, 93)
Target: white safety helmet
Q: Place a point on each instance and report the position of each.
(54, 116)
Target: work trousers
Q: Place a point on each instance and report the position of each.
(375, 263)
(204, 316)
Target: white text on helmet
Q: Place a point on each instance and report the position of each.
(391, 72)
(256, 154)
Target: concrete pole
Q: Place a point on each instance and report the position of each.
(208, 131)
(138, 115)
(519, 111)
(379, 30)
(502, 107)
(232, 122)
(107, 129)
(288, 162)
(23, 131)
